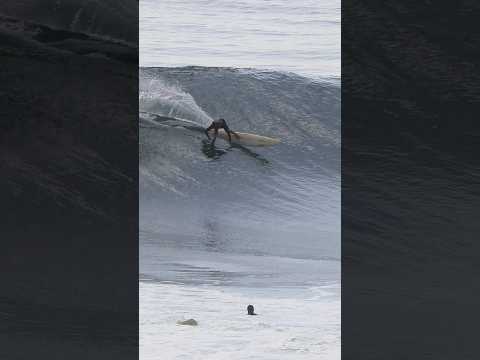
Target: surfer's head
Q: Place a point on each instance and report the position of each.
(250, 310)
(222, 120)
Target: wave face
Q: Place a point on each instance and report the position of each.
(282, 200)
(116, 19)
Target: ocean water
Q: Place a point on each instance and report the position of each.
(226, 226)
(282, 329)
(300, 36)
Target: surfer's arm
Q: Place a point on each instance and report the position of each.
(215, 136)
(208, 129)
(229, 132)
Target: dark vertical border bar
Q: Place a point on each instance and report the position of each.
(410, 179)
(69, 180)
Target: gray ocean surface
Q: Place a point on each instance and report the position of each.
(300, 36)
(224, 226)
(281, 201)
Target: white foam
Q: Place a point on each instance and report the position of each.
(292, 323)
(168, 99)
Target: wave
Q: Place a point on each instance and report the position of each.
(281, 200)
(114, 19)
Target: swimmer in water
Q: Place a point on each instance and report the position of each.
(216, 125)
(250, 310)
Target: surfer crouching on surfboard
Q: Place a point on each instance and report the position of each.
(216, 125)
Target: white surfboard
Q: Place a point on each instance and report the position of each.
(246, 138)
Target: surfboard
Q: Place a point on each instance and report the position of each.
(246, 138)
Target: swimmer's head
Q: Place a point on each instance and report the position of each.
(250, 310)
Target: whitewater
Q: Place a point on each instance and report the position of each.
(226, 226)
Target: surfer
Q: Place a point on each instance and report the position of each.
(216, 125)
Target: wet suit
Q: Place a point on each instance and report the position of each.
(216, 125)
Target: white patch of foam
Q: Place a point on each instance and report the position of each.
(168, 99)
(292, 323)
